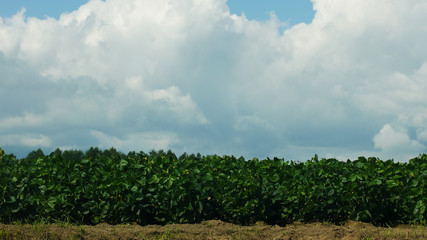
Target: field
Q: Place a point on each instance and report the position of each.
(212, 229)
(158, 195)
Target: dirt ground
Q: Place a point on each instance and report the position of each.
(213, 229)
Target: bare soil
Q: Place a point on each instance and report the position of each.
(213, 229)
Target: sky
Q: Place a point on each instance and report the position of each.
(286, 79)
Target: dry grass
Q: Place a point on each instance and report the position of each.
(213, 229)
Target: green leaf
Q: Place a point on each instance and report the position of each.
(200, 207)
(51, 204)
(275, 178)
(134, 188)
(422, 209)
(142, 181)
(331, 192)
(138, 166)
(416, 210)
(209, 177)
(419, 204)
(391, 183)
(363, 215)
(153, 179)
(377, 182)
(123, 163)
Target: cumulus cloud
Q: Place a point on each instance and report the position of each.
(191, 76)
(395, 140)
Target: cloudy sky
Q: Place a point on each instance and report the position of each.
(255, 78)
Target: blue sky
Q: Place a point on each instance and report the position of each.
(191, 76)
(39, 9)
(293, 11)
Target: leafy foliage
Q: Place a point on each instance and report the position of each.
(158, 188)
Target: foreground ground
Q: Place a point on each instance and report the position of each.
(213, 229)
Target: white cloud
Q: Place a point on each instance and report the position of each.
(216, 81)
(394, 140)
(183, 106)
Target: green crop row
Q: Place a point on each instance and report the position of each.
(159, 187)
